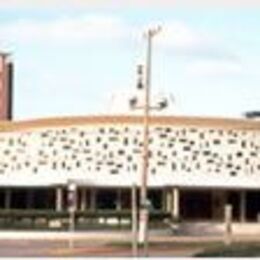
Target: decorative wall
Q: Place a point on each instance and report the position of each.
(116, 149)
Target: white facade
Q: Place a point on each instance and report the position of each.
(107, 152)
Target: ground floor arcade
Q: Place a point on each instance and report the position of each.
(184, 204)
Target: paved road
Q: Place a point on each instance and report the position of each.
(92, 243)
(107, 243)
(49, 248)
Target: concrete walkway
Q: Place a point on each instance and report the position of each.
(122, 236)
(62, 235)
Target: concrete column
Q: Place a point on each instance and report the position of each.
(8, 197)
(59, 199)
(83, 200)
(242, 206)
(93, 199)
(118, 200)
(164, 199)
(176, 203)
(169, 202)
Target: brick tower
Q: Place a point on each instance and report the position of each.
(6, 82)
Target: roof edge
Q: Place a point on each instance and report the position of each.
(217, 122)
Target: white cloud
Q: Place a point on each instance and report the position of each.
(63, 30)
(206, 54)
(186, 40)
(175, 35)
(179, 35)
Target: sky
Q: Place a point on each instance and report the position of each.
(71, 56)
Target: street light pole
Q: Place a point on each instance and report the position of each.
(144, 211)
(72, 206)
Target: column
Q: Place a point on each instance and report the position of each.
(8, 198)
(176, 203)
(93, 199)
(169, 203)
(243, 206)
(59, 199)
(164, 199)
(83, 201)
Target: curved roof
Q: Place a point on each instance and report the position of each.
(226, 123)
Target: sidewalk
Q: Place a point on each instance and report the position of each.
(63, 235)
(117, 236)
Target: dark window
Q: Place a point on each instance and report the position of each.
(11, 142)
(216, 141)
(78, 164)
(114, 171)
(232, 141)
(243, 144)
(102, 130)
(186, 148)
(125, 141)
(174, 166)
(54, 165)
(239, 154)
(121, 152)
(233, 173)
(229, 165)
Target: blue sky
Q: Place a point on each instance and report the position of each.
(68, 61)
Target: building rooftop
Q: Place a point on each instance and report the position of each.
(219, 123)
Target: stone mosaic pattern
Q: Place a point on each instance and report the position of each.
(117, 148)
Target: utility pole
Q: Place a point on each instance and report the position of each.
(144, 210)
(72, 207)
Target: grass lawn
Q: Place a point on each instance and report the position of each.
(234, 250)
